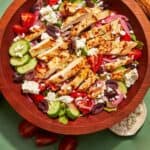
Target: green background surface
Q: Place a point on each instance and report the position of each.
(104, 140)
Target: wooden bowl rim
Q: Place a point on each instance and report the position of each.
(132, 5)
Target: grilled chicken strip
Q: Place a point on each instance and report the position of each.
(88, 82)
(80, 77)
(41, 47)
(98, 13)
(71, 70)
(85, 23)
(111, 47)
(71, 20)
(51, 52)
(118, 63)
(105, 31)
(60, 62)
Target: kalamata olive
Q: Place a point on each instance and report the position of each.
(53, 31)
(89, 3)
(110, 92)
(111, 84)
(43, 106)
(97, 108)
(18, 78)
(131, 66)
(29, 75)
(100, 70)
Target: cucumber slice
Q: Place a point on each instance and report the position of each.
(63, 120)
(72, 112)
(122, 87)
(62, 112)
(27, 67)
(19, 48)
(54, 108)
(19, 61)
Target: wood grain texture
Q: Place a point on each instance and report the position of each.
(83, 125)
(145, 5)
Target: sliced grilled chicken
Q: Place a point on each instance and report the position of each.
(111, 47)
(41, 47)
(96, 89)
(71, 70)
(96, 31)
(80, 77)
(59, 62)
(88, 82)
(118, 63)
(52, 52)
(85, 23)
(68, 8)
(71, 20)
(99, 40)
(98, 13)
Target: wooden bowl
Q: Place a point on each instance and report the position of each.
(83, 125)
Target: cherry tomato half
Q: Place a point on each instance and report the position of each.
(27, 19)
(18, 29)
(136, 54)
(95, 61)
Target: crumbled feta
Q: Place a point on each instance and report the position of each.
(48, 14)
(131, 77)
(31, 87)
(19, 37)
(80, 43)
(92, 51)
(51, 96)
(65, 99)
(45, 36)
(122, 33)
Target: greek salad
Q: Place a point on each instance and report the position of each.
(74, 58)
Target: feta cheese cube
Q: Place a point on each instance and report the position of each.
(65, 99)
(51, 96)
(131, 77)
(92, 51)
(80, 43)
(31, 87)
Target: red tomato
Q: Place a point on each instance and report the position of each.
(42, 87)
(136, 54)
(76, 94)
(85, 105)
(126, 37)
(27, 19)
(37, 98)
(52, 2)
(52, 86)
(95, 61)
(18, 29)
